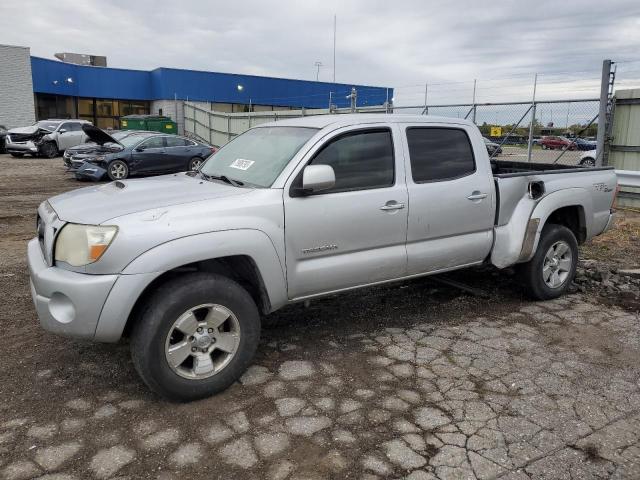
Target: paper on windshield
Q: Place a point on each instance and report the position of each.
(242, 164)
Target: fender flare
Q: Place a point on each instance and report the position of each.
(517, 241)
(570, 197)
(148, 266)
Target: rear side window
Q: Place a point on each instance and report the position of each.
(176, 142)
(439, 154)
(360, 160)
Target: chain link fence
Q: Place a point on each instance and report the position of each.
(558, 131)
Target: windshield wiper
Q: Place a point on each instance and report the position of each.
(224, 178)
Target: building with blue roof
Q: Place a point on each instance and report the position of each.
(104, 94)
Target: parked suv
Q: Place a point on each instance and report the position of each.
(186, 264)
(47, 138)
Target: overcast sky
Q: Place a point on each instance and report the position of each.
(400, 44)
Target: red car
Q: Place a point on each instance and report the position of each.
(557, 143)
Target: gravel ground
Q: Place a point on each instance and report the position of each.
(413, 380)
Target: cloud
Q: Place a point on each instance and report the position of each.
(402, 44)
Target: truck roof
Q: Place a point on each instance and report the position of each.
(340, 120)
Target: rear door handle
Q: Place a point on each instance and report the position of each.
(392, 205)
(477, 196)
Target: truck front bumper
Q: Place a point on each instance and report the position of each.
(67, 303)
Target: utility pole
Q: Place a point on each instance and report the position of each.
(602, 113)
(318, 65)
(426, 91)
(533, 119)
(334, 47)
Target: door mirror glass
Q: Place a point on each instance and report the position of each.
(63, 130)
(316, 178)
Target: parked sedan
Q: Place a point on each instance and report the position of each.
(492, 147)
(146, 153)
(584, 145)
(557, 143)
(99, 143)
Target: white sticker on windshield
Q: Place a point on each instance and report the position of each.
(242, 164)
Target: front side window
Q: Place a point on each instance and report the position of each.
(360, 160)
(153, 142)
(439, 154)
(67, 127)
(259, 155)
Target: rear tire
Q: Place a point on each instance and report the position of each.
(195, 163)
(165, 331)
(118, 170)
(550, 272)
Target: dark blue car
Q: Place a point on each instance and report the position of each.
(142, 153)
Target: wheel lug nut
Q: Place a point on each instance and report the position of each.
(210, 330)
(199, 330)
(191, 339)
(213, 340)
(194, 349)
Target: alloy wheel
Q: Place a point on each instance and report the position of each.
(557, 264)
(202, 341)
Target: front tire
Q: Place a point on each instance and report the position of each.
(552, 269)
(49, 150)
(195, 336)
(118, 170)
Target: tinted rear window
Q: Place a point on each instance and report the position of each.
(439, 154)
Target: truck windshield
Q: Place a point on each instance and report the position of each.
(257, 157)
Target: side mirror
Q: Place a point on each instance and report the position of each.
(62, 130)
(141, 148)
(316, 178)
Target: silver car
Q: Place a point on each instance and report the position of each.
(47, 138)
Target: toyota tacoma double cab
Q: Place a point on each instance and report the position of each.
(185, 264)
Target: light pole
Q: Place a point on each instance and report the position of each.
(318, 65)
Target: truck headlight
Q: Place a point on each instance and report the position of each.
(80, 245)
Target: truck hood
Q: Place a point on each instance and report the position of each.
(95, 205)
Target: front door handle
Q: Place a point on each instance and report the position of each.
(392, 205)
(477, 196)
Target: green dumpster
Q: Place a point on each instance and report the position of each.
(152, 123)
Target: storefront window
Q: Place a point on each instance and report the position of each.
(85, 107)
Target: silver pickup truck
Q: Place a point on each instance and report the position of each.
(185, 264)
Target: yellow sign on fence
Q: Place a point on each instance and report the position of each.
(496, 131)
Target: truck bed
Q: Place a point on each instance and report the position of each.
(509, 169)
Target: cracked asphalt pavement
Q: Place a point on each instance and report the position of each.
(413, 380)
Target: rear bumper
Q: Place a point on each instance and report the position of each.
(67, 303)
